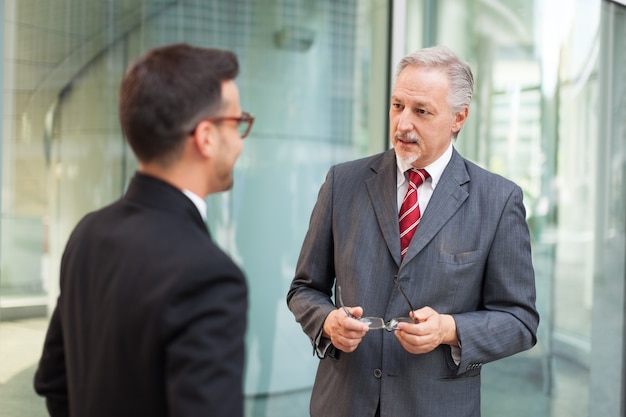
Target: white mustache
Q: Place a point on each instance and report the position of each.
(407, 137)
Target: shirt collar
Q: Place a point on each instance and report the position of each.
(199, 203)
(434, 170)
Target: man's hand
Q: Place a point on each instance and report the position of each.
(430, 330)
(343, 331)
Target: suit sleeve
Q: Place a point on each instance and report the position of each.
(51, 378)
(508, 322)
(204, 354)
(309, 295)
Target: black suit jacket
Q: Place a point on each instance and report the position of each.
(151, 316)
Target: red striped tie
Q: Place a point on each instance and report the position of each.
(410, 210)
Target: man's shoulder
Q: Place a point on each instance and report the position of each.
(474, 170)
(482, 177)
(367, 162)
(98, 216)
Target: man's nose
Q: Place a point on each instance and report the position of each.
(404, 123)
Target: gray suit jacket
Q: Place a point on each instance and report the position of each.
(470, 257)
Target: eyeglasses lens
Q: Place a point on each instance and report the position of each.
(373, 322)
(243, 128)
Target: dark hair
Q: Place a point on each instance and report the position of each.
(169, 90)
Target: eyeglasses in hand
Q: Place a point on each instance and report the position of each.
(376, 323)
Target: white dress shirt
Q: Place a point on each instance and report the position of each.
(199, 203)
(424, 191)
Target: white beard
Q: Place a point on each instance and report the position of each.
(408, 159)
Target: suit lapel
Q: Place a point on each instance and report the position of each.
(382, 189)
(444, 203)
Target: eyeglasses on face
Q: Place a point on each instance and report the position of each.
(244, 122)
(376, 323)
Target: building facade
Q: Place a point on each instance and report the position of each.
(548, 112)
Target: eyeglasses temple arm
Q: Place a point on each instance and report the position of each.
(345, 309)
(405, 297)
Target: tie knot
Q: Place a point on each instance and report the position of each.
(417, 176)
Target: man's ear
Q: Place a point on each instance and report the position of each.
(204, 138)
(459, 119)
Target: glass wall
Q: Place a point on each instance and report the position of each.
(608, 319)
(548, 113)
(314, 73)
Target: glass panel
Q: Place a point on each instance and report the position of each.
(314, 73)
(607, 396)
(541, 117)
(314, 107)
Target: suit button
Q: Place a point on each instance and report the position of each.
(378, 373)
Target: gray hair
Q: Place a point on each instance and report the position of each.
(459, 73)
